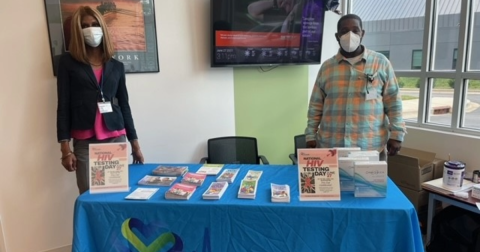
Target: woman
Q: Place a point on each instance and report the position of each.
(92, 95)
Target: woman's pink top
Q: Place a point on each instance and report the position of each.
(100, 130)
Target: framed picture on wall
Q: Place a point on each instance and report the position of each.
(131, 24)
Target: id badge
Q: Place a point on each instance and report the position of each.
(371, 94)
(105, 107)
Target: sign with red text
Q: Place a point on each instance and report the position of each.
(108, 167)
(318, 174)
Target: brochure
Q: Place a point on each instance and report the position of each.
(215, 190)
(157, 180)
(210, 169)
(142, 193)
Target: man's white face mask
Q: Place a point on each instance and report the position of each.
(350, 41)
(93, 36)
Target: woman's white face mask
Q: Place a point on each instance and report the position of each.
(93, 36)
(350, 41)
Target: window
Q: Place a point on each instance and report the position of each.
(395, 26)
(386, 53)
(474, 49)
(430, 37)
(417, 59)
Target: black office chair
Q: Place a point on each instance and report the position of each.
(300, 143)
(233, 150)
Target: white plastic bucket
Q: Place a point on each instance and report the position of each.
(453, 174)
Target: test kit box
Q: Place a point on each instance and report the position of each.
(372, 155)
(370, 179)
(419, 199)
(411, 167)
(346, 167)
(345, 151)
(476, 191)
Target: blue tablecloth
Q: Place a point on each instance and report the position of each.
(108, 222)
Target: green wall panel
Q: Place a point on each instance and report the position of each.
(271, 106)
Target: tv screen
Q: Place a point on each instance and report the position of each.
(266, 32)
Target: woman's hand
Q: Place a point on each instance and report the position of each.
(136, 152)
(137, 156)
(69, 162)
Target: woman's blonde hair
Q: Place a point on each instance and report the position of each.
(77, 42)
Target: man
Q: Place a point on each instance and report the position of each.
(355, 101)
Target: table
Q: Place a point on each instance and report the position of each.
(108, 222)
(433, 196)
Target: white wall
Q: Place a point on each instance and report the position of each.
(175, 112)
(458, 147)
(329, 47)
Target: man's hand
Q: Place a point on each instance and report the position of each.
(312, 144)
(393, 147)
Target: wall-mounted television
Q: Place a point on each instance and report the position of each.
(266, 32)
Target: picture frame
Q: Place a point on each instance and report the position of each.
(131, 24)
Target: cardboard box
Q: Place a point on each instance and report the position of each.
(419, 199)
(410, 168)
(438, 167)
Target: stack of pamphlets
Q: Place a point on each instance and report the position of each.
(280, 193)
(248, 186)
(210, 169)
(215, 190)
(180, 191)
(228, 175)
(253, 175)
(248, 189)
(437, 185)
(142, 193)
(174, 171)
(157, 180)
(194, 179)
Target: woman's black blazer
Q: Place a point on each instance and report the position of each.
(78, 95)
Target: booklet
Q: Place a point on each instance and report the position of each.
(228, 175)
(248, 189)
(215, 190)
(142, 193)
(280, 193)
(194, 179)
(166, 170)
(253, 175)
(180, 191)
(157, 180)
(210, 169)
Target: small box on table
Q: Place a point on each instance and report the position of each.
(370, 179)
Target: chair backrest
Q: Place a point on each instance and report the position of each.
(233, 150)
(300, 143)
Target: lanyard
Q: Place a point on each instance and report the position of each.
(100, 86)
